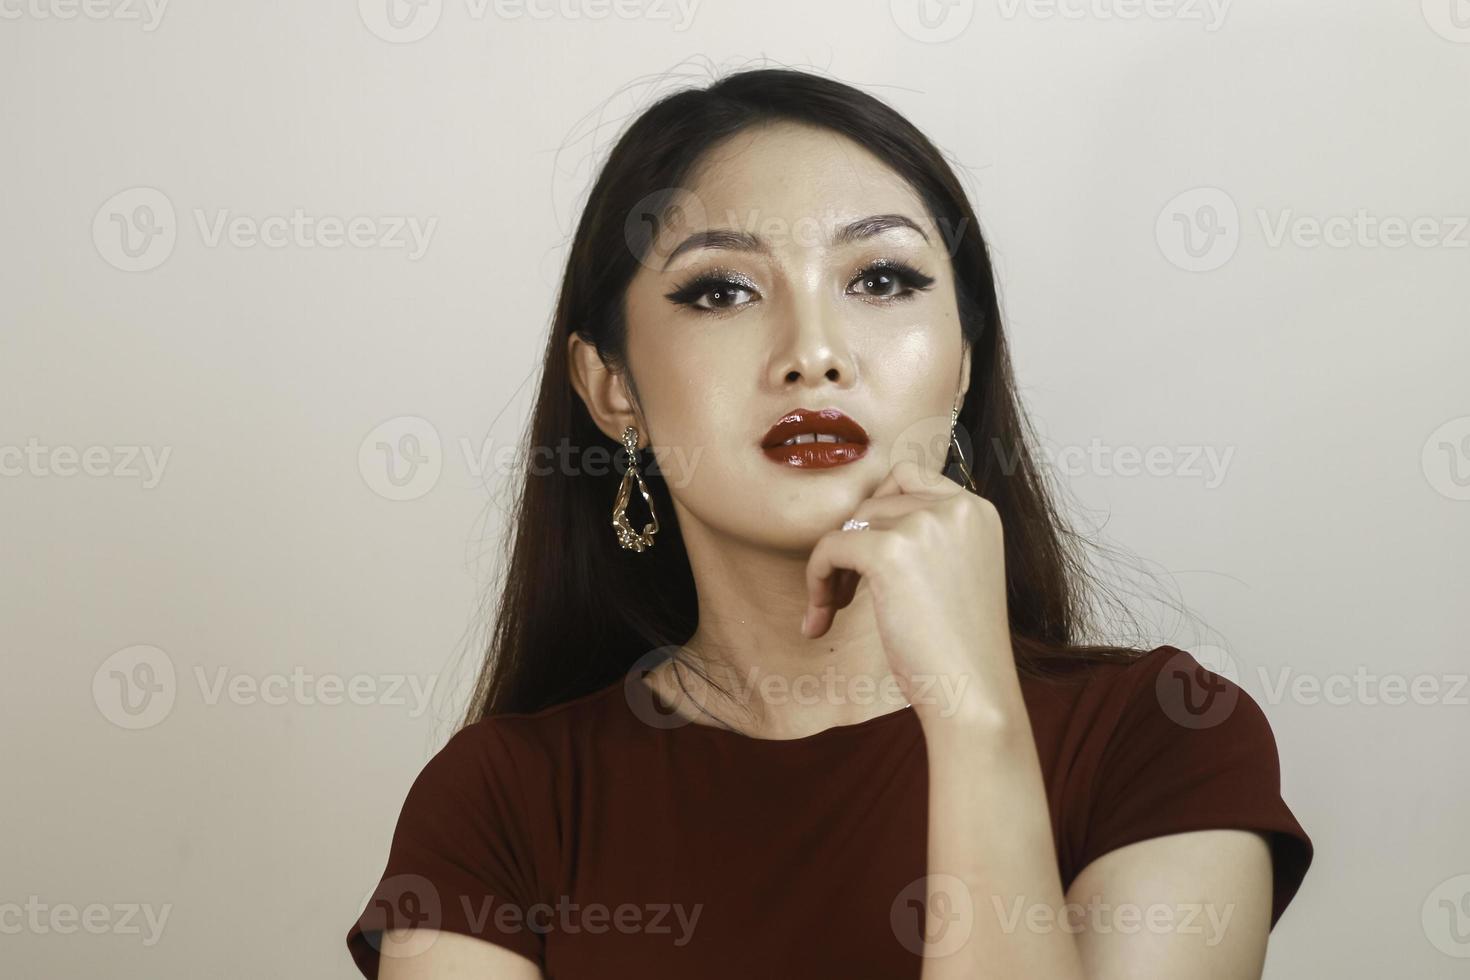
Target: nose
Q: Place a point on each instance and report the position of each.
(813, 349)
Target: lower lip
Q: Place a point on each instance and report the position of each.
(816, 455)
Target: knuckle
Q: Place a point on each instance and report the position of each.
(928, 523)
(892, 548)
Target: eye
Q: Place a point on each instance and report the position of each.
(722, 288)
(881, 279)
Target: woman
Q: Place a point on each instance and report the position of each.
(816, 705)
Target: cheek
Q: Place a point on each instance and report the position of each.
(910, 363)
(913, 374)
(696, 406)
(692, 376)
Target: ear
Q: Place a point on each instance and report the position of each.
(603, 392)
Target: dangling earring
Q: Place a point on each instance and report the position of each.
(627, 537)
(954, 442)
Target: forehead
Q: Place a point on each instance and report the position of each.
(785, 172)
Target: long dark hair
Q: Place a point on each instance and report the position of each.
(576, 611)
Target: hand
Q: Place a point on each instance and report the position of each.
(933, 557)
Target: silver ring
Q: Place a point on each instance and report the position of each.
(854, 525)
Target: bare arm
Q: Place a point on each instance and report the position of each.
(428, 954)
(1192, 904)
(1195, 904)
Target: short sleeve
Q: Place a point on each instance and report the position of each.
(460, 858)
(1192, 750)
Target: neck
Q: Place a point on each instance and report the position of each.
(779, 683)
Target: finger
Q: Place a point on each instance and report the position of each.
(836, 551)
(909, 477)
(889, 509)
(880, 513)
(841, 587)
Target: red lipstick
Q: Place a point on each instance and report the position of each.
(822, 438)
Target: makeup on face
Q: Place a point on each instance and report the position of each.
(809, 439)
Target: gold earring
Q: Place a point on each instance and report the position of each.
(954, 442)
(627, 537)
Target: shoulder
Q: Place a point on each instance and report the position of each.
(527, 745)
(1163, 689)
(1169, 693)
(1154, 716)
(494, 793)
(480, 826)
(1163, 744)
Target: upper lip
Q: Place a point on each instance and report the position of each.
(818, 421)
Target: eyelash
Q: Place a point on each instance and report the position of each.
(688, 293)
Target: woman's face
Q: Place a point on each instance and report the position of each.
(731, 336)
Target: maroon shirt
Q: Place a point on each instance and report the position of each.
(599, 845)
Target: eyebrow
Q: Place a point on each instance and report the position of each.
(742, 241)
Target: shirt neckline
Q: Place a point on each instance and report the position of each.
(825, 735)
